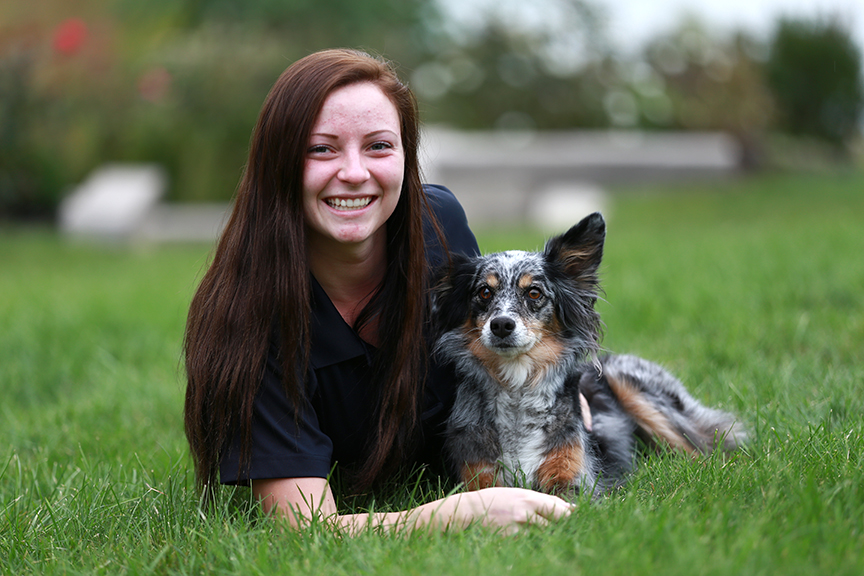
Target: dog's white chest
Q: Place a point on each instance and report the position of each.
(520, 423)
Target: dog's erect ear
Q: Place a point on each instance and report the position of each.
(451, 294)
(579, 250)
(576, 256)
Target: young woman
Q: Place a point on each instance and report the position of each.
(305, 342)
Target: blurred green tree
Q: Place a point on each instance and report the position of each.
(25, 168)
(177, 82)
(220, 61)
(814, 70)
(517, 66)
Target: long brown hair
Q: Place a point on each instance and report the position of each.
(260, 275)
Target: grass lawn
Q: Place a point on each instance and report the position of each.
(751, 291)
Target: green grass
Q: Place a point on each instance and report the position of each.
(752, 291)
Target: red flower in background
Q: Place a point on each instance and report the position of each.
(69, 36)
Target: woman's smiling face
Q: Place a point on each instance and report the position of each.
(354, 166)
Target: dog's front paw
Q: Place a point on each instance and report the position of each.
(562, 468)
(478, 475)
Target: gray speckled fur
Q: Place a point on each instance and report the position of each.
(706, 428)
(512, 409)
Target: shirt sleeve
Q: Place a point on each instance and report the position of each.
(283, 446)
(454, 224)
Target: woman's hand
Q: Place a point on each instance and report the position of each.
(505, 508)
(298, 500)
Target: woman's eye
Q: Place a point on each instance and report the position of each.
(485, 293)
(320, 149)
(378, 146)
(534, 293)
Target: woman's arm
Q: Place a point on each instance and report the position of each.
(299, 499)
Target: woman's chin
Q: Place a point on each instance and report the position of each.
(348, 234)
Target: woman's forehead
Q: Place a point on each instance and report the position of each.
(357, 104)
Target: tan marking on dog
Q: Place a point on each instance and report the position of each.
(492, 281)
(478, 475)
(561, 468)
(490, 360)
(648, 417)
(577, 257)
(525, 281)
(546, 353)
(576, 261)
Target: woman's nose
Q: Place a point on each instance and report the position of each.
(353, 170)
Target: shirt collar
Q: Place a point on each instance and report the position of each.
(333, 340)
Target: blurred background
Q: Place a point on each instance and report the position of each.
(569, 95)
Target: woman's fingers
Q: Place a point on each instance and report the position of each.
(559, 509)
(553, 510)
(538, 520)
(500, 507)
(513, 506)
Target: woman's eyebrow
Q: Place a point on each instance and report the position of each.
(375, 133)
(324, 135)
(372, 134)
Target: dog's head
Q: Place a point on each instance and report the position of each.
(513, 305)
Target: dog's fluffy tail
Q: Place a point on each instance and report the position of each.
(661, 407)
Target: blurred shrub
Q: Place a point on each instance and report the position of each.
(178, 82)
(498, 81)
(29, 180)
(45, 127)
(507, 71)
(197, 98)
(814, 70)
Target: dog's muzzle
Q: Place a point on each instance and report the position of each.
(506, 335)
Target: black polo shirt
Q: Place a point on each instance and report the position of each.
(338, 417)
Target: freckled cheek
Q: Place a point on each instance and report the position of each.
(391, 174)
(315, 178)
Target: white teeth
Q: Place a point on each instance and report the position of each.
(349, 204)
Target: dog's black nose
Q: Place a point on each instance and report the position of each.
(502, 326)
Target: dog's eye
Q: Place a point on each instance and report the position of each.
(534, 293)
(485, 293)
